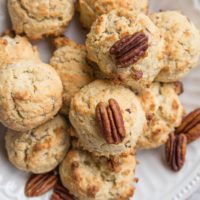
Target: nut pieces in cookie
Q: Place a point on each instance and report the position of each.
(83, 118)
(129, 49)
(190, 126)
(179, 89)
(124, 43)
(111, 121)
(175, 150)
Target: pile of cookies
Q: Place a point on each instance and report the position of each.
(88, 112)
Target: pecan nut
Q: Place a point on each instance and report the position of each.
(61, 193)
(129, 49)
(38, 184)
(190, 126)
(175, 150)
(111, 121)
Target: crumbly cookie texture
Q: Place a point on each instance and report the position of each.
(83, 118)
(182, 45)
(164, 112)
(13, 49)
(39, 150)
(97, 178)
(90, 10)
(69, 60)
(30, 94)
(40, 18)
(110, 28)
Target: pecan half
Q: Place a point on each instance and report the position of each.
(129, 49)
(190, 126)
(111, 121)
(61, 193)
(175, 150)
(38, 184)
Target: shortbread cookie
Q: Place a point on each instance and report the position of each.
(30, 94)
(13, 49)
(182, 45)
(40, 18)
(98, 178)
(90, 10)
(137, 59)
(41, 149)
(69, 60)
(164, 112)
(92, 135)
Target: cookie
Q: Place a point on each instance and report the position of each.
(164, 112)
(182, 45)
(90, 10)
(69, 60)
(41, 149)
(96, 178)
(40, 18)
(30, 94)
(137, 64)
(15, 48)
(95, 138)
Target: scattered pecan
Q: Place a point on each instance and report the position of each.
(61, 193)
(129, 49)
(111, 121)
(38, 184)
(175, 150)
(190, 126)
(179, 89)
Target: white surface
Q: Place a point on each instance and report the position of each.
(156, 180)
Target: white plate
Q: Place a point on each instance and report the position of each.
(156, 180)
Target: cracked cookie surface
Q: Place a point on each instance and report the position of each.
(112, 27)
(182, 45)
(90, 10)
(98, 178)
(39, 150)
(164, 112)
(13, 49)
(69, 60)
(30, 94)
(40, 18)
(83, 117)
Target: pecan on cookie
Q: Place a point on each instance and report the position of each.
(111, 121)
(129, 49)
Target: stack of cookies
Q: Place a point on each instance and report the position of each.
(94, 106)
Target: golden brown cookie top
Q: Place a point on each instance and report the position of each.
(97, 178)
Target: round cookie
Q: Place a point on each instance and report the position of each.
(97, 178)
(89, 131)
(41, 149)
(13, 49)
(90, 10)
(147, 53)
(69, 60)
(164, 112)
(30, 94)
(40, 18)
(182, 45)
